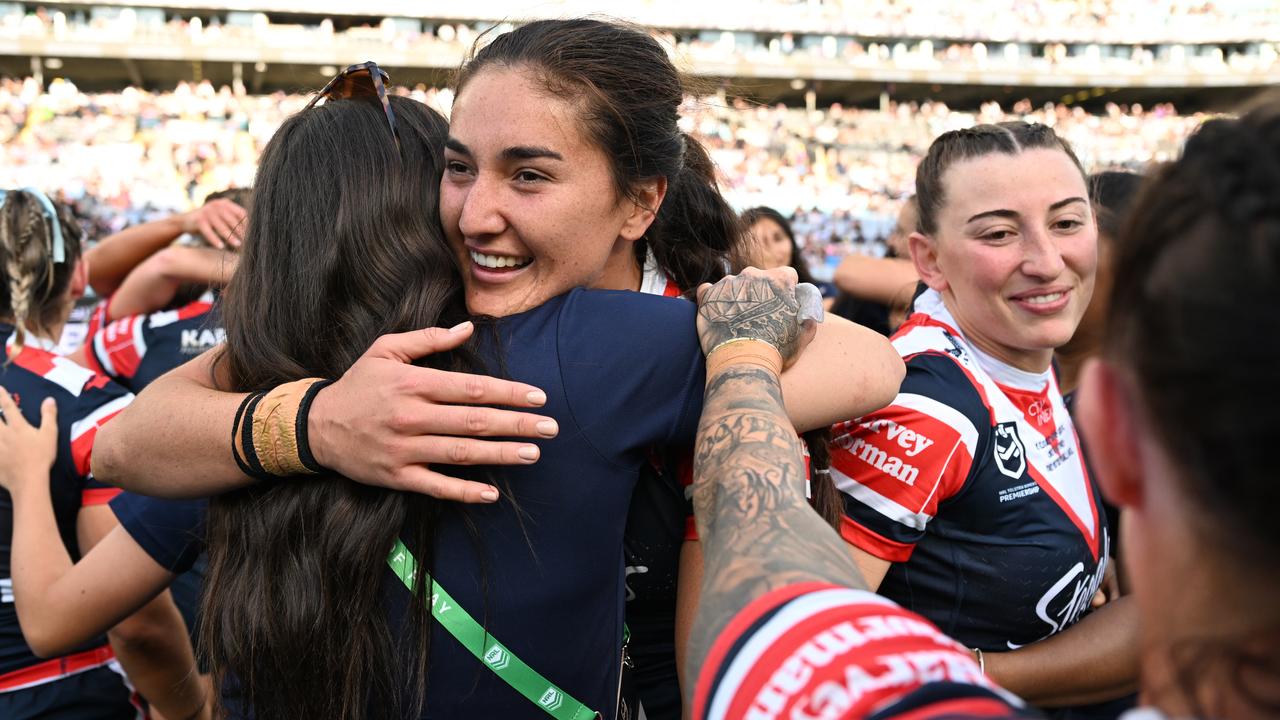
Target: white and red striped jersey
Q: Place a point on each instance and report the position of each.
(136, 349)
(972, 482)
(86, 401)
(815, 650)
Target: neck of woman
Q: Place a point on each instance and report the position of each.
(50, 333)
(1032, 361)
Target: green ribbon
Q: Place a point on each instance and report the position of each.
(491, 653)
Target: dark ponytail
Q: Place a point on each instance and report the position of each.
(696, 234)
(630, 95)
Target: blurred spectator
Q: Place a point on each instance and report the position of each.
(125, 157)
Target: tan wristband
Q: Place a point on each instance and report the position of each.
(744, 351)
(275, 428)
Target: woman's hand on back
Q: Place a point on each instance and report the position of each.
(754, 305)
(28, 451)
(385, 420)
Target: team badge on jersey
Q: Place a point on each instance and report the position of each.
(1011, 457)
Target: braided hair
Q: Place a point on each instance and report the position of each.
(1193, 319)
(33, 296)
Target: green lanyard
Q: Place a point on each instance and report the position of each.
(493, 654)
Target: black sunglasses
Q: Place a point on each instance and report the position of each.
(363, 80)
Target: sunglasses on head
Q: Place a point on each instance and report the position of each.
(365, 80)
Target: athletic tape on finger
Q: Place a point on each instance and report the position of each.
(810, 299)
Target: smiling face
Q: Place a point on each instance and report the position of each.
(1015, 252)
(528, 202)
(771, 247)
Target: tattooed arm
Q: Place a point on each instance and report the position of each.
(758, 532)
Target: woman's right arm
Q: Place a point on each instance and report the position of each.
(381, 423)
(221, 222)
(881, 280)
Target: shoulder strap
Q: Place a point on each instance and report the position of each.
(493, 654)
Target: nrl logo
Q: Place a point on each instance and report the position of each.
(497, 658)
(1011, 457)
(551, 699)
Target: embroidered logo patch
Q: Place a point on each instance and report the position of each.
(1011, 457)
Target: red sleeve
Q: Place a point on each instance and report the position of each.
(100, 401)
(895, 467)
(117, 348)
(815, 650)
(98, 495)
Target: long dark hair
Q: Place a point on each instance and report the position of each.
(32, 295)
(343, 245)
(1193, 319)
(630, 94)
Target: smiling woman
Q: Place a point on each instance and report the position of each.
(565, 168)
(967, 497)
(515, 192)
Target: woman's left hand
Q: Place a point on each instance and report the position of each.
(757, 305)
(28, 451)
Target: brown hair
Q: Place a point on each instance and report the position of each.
(343, 244)
(629, 96)
(1009, 138)
(33, 294)
(1193, 317)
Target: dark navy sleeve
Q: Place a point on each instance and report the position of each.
(631, 361)
(170, 531)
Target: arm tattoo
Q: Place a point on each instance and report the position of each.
(748, 306)
(757, 530)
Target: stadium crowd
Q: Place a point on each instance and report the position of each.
(126, 156)
(520, 399)
(918, 36)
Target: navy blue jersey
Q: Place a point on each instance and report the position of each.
(170, 531)
(85, 400)
(973, 484)
(816, 650)
(544, 569)
(136, 349)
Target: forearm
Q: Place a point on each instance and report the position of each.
(111, 260)
(1094, 660)
(879, 280)
(38, 559)
(177, 422)
(154, 649)
(757, 531)
(846, 372)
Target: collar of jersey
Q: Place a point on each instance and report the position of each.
(930, 303)
(29, 339)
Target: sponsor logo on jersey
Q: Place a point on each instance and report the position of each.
(885, 459)
(1018, 492)
(195, 342)
(804, 685)
(1010, 455)
(890, 465)
(1067, 599)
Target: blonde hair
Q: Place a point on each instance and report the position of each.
(36, 283)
